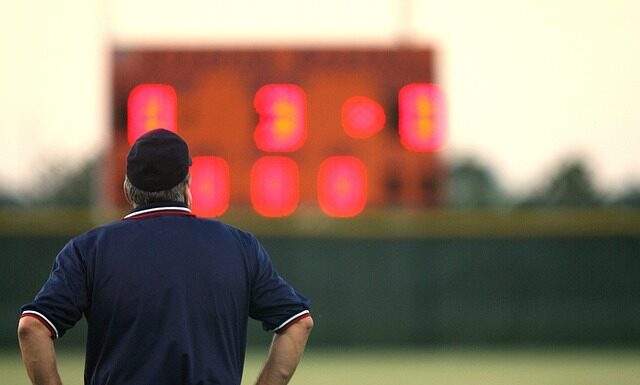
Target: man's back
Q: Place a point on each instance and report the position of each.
(166, 296)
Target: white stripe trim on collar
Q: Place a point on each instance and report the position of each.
(291, 319)
(40, 315)
(153, 210)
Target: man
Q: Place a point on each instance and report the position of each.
(166, 295)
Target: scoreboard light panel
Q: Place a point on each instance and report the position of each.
(275, 129)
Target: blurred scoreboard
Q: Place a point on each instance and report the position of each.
(278, 130)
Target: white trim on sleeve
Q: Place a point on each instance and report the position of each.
(285, 323)
(40, 315)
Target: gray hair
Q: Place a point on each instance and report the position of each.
(138, 197)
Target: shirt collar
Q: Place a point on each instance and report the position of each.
(159, 208)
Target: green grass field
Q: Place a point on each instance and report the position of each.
(409, 367)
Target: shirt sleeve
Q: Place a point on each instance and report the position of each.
(273, 300)
(64, 296)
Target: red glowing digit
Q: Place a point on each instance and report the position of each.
(342, 186)
(421, 117)
(275, 186)
(209, 186)
(151, 106)
(362, 117)
(282, 126)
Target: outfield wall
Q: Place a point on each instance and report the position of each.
(468, 290)
(432, 289)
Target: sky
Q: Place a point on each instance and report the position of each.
(529, 84)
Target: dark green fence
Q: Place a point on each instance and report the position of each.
(421, 291)
(468, 290)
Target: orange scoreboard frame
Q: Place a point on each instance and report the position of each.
(279, 129)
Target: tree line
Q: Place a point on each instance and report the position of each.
(570, 185)
(469, 183)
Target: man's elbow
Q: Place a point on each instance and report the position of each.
(302, 327)
(29, 327)
(306, 324)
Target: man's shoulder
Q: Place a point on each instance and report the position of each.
(223, 226)
(100, 230)
(245, 239)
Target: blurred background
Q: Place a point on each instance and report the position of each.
(455, 185)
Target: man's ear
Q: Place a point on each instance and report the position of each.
(187, 194)
(126, 196)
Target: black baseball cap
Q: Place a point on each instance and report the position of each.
(158, 160)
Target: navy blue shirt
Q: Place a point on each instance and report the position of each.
(166, 296)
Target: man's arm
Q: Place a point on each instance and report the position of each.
(38, 352)
(285, 353)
